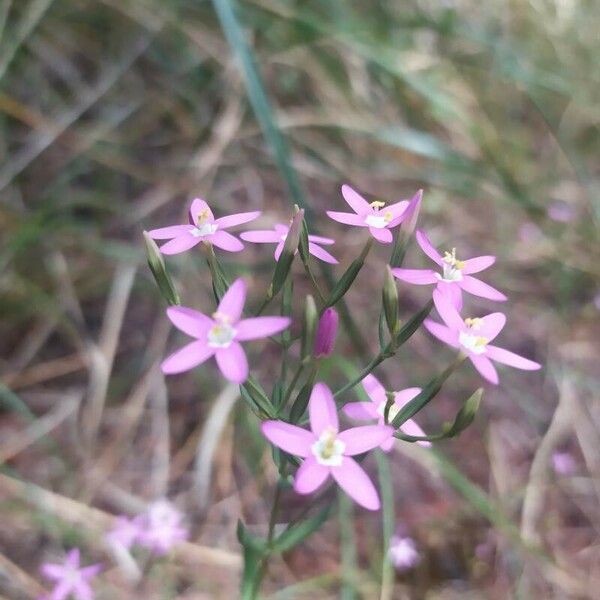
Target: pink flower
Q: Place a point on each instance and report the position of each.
(71, 579)
(220, 335)
(375, 409)
(561, 212)
(454, 276)
(326, 333)
(403, 553)
(563, 463)
(162, 527)
(126, 532)
(327, 451)
(473, 337)
(203, 227)
(277, 236)
(378, 217)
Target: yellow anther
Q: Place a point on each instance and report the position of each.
(377, 204)
(473, 323)
(202, 216)
(388, 216)
(450, 259)
(328, 447)
(481, 341)
(222, 318)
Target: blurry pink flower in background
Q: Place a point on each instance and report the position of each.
(72, 580)
(403, 553)
(473, 337)
(377, 216)
(455, 274)
(203, 227)
(529, 232)
(563, 463)
(220, 335)
(326, 333)
(163, 527)
(375, 409)
(327, 451)
(126, 532)
(278, 234)
(561, 212)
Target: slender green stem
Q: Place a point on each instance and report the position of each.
(295, 378)
(388, 521)
(314, 283)
(264, 304)
(366, 371)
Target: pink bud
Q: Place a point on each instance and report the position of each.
(326, 333)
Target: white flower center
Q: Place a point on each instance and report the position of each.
(222, 333)
(377, 219)
(471, 341)
(394, 410)
(204, 229)
(452, 267)
(328, 449)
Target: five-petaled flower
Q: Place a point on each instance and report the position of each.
(163, 527)
(279, 233)
(72, 580)
(454, 275)
(473, 336)
(327, 451)
(377, 216)
(220, 335)
(375, 409)
(403, 553)
(203, 227)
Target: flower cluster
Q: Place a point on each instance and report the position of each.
(71, 580)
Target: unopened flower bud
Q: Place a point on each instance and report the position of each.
(309, 326)
(290, 247)
(413, 209)
(326, 333)
(156, 262)
(390, 303)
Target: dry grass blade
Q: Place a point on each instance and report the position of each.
(19, 584)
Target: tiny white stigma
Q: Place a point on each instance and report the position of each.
(204, 229)
(452, 267)
(221, 334)
(328, 449)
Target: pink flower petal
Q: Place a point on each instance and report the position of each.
(91, 571)
(52, 571)
(322, 410)
(237, 219)
(73, 558)
(347, 218)
(447, 311)
(416, 276)
(453, 292)
(383, 236)
(483, 290)
(197, 207)
(180, 244)
(260, 327)
(292, 439)
(189, 321)
(507, 357)
(410, 216)
(233, 363)
(362, 439)
(399, 212)
(62, 591)
(356, 202)
(321, 254)
(356, 483)
(374, 389)
(427, 247)
(187, 358)
(168, 233)
(226, 241)
(233, 300)
(388, 444)
(485, 367)
(410, 427)
(310, 476)
(477, 264)
(361, 411)
(403, 397)
(278, 250)
(261, 236)
(441, 332)
(492, 325)
(323, 241)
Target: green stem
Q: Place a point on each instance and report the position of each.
(314, 283)
(295, 378)
(366, 371)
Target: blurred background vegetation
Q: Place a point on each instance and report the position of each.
(115, 113)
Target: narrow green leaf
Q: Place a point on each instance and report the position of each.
(347, 279)
(409, 328)
(297, 533)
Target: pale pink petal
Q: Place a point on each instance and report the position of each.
(427, 247)
(485, 367)
(278, 250)
(365, 438)
(189, 321)
(381, 235)
(347, 218)
(441, 332)
(323, 241)
(492, 325)
(82, 591)
(483, 290)
(416, 276)
(356, 202)
(510, 358)
(322, 410)
(62, 591)
(168, 233)
(180, 244)
(374, 389)
(398, 210)
(292, 439)
(261, 236)
(403, 397)
(361, 411)
(356, 483)
(187, 358)
(73, 558)
(52, 571)
(91, 571)
(410, 216)
(237, 219)
(447, 311)
(321, 254)
(411, 428)
(477, 264)
(310, 476)
(233, 363)
(260, 327)
(198, 207)
(388, 444)
(226, 241)
(453, 292)
(233, 300)
(282, 230)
